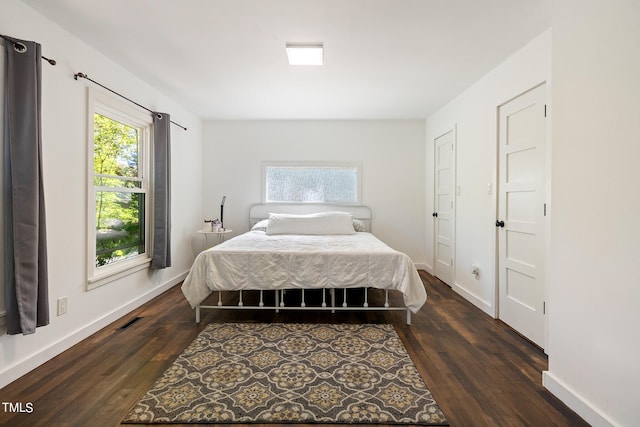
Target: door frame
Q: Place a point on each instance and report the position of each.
(454, 131)
(547, 191)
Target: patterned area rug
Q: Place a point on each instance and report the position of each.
(291, 373)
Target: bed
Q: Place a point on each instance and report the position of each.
(325, 249)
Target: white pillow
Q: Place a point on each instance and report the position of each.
(318, 223)
(260, 225)
(359, 225)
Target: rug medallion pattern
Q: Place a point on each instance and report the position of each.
(291, 373)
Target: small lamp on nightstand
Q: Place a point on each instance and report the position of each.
(224, 198)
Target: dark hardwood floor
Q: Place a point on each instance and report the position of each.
(480, 372)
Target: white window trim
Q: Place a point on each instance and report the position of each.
(318, 164)
(102, 103)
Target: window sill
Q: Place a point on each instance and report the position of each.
(111, 275)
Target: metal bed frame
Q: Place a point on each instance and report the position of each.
(259, 212)
(280, 304)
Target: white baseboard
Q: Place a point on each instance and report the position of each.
(424, 267)
(24, 366)
(474, 299)
(577, 403)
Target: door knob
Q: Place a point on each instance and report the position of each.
(499, 223)
(435, 214)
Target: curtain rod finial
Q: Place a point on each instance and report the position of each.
(82, 75)
(50, 61)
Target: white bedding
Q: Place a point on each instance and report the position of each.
(255, 260)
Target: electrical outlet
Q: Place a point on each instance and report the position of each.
(62, 306)
(475, 270)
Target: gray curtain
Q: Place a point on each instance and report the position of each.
(161, 191)
(26, 288)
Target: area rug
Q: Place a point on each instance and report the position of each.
(291, 373)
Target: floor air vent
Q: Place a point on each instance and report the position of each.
(129, 323)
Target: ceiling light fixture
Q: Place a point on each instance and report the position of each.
(305, 53)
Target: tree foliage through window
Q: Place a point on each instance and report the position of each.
(120, 198)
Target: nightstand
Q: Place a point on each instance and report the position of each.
(219, 236)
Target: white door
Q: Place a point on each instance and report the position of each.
(521, 214)
(443, 214)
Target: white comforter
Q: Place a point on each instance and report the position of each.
(255, 260)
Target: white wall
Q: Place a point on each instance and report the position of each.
(64, 144)
(474, 114)
(391, 154)
(594, 289)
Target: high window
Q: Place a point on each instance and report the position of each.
(118, 235)
(311, 183)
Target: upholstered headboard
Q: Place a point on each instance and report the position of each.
(261, 211)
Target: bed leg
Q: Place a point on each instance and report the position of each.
(277, 301)
(408, 317)
(333, 299)
(197, 314)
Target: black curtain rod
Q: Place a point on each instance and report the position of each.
(84, 76)
(19, 47)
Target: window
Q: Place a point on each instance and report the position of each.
(119, 189)
(311, 183)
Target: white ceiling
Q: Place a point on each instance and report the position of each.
(226, 59)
